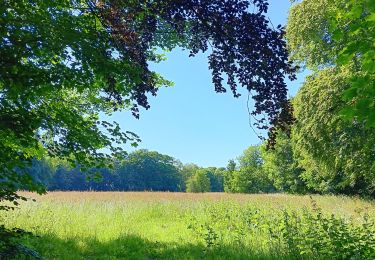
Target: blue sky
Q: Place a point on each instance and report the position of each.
(190, 121)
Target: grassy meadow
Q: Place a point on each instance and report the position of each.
(152, 225)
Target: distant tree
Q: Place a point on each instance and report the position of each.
(61, 180)
(103, 180)
(250, 180)
(281, 166)
(216, 176)
(141, 170)
(251, 158)
(199, 182)
(231, 167)
(186, 172)
(250, 177)
(145, 170)
(41, 171)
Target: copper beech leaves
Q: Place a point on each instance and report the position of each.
(245, 50)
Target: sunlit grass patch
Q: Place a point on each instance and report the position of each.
(145, 225)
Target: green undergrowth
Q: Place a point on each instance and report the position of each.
(197, 229)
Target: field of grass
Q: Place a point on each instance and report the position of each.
(110, 225)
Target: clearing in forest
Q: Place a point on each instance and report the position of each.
(157, 225)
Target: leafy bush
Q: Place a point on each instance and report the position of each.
(315, 235)
(306, 234)
(10, 245)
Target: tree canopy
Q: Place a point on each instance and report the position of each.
(141, 170)
(340, 33)
(282, 167)
(249, 176)
(333, 137)
(145, 170)
(338, 156)
(198, 182)
(65, 62)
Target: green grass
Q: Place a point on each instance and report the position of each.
(194, 226)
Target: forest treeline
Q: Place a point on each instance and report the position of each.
(66, 64)
(327, 147)
(141, 170)
(257, 170)
(322, 140)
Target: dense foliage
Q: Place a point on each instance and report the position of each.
(338, 156)
(334, 134)
(141, 170)
(295, 234)
(338, 33)
(198, 182)
(249, 177)
(65, 62)
(281, 166)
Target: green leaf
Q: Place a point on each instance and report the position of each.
(356, 11)
(350, 93)
(371, 17)
(371, 119)
(369, 65)
(337, 35)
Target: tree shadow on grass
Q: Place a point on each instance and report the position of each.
(133, 247)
